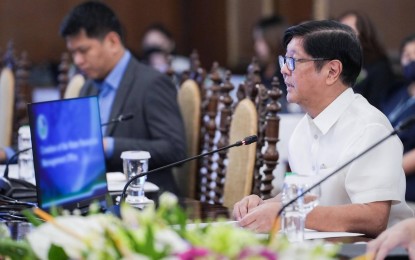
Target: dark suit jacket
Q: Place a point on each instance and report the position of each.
(157, 126)
(407, 136)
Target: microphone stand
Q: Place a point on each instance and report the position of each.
(5, 184)
(246, 141)
(6, 170)
(399, 128)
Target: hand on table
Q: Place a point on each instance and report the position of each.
(242, 207)
(256, 214)
(402, 234)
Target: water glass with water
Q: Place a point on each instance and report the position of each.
(293, 217)
(135, 163)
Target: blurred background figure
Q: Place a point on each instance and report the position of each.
(400, 107)
(158, 46)
(375, 81)
(3, 155)
(267, 35)
(124, 85)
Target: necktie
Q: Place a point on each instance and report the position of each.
(104, 103)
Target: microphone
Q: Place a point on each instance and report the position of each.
(5, 184)
(120, 118)
(401, 127)
(405, 124)
(246, 141)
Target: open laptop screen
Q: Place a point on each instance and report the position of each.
(68, 152)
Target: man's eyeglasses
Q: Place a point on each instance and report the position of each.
(290, 61)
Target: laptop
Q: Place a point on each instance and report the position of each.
(68, 153)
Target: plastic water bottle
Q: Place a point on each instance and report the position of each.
(25, 159)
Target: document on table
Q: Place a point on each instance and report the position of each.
(312, 234)
(308, 233)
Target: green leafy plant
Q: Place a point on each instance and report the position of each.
(162, 233)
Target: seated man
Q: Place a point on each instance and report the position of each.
(124, 86)
(323, 59)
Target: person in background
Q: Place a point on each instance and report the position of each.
(400, 107)
(3, 155)
(267, 36)
(321, 64)
(400, 235)
(376, 79)
(7, 153)
(158, 46)
(94, 38)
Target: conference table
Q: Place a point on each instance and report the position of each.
(353, 244)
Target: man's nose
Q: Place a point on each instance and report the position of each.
(284, 70)
(77, 59)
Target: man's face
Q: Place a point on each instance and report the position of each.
(92, 56)
(261, 48)
(155, 39)
(351, 21)
(304, 83)
(408, 53)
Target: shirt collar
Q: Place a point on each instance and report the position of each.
(329, 116)
(115, 76)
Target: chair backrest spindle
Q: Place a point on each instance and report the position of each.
(225, 120)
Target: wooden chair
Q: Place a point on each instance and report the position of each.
(241, 160)
(74, 86)
(70, 82)
(63, 76)
(7, 83)
(190, 103)
(228, 176)
(19, 66)
(218, 184)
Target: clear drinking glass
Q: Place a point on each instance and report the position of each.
(135, 163)
(293, 217)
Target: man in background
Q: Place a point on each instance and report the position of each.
(158, 49)
(124, 86)
(267, 35)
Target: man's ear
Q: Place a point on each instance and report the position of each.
(113, 39)
(335, 68)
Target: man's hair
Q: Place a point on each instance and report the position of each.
(159, 28)
(96, 18)
(331, 40)
(269, 22)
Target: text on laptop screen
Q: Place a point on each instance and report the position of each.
(67, 151)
